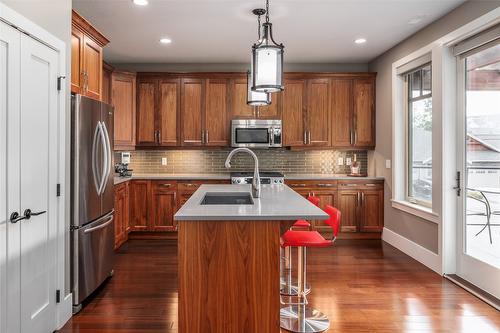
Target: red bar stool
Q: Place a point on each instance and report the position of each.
(298, 317)
(289, 287)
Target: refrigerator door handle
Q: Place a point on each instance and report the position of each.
(108, 149)
(100, 226)
(94, 159)
(105, 159)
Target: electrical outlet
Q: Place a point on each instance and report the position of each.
(163, 161)
(340, 161)
(348, 161)
(387, 164)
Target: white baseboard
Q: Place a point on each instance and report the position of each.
(64, 310)
(417, 252)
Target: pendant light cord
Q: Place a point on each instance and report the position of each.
(267, 11)
(258, 28)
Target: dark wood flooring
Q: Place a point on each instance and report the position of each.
(362, 285)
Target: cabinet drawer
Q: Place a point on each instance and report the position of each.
(312, 184)
(164, 185)
(193, 185)
(360, 184)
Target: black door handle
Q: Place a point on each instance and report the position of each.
(28, 213)
(15, 217)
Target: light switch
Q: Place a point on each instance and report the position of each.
(347, 161)
(387, 164)
(340, 161)
(163, 161)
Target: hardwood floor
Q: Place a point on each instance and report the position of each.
(362, 286)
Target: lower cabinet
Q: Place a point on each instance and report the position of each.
(163, 206)
(361, 202)
(140, 193)
(122, 214)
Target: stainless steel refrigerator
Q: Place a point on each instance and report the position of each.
(92, 227)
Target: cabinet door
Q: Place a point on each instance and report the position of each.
(92, 68)
(272, 111)
(364, 113)
(216, 109)
(239, 107)
(318, 112)
(107, 72)
(348, 206)
(372, 210)
(325, 198)
(76, 60)
(341, 113)
(123, 98)
(294, 131)
(146, 129)
(140, 193)
(163, 206)
(121, 214)
(168, 112)
(192, 112)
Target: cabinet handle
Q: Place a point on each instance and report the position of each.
(357, 200)
(189, 185)
(362, 198)
(202, 136)
(298, 185)
(166, 185)
(350, 137)
(159, 137)
(370, 184)
(309, 137)
(206, 136)
(305, 137)
(325, 185)
(355, 137)
(349, 184)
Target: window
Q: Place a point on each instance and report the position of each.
(419, 136)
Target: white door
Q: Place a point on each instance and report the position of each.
(38, 178)
(478, 242)
(28, 175)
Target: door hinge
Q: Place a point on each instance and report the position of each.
(59, 82)
(58, 296)
(58, 190)
(457, 186)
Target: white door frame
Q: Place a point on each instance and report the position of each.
(9, 16)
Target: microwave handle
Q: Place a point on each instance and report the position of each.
(271, 135)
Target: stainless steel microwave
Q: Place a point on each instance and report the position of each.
(256, 133)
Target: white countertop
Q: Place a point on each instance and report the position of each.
(277, 202)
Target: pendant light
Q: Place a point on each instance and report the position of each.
(256, 98)
(267, 60)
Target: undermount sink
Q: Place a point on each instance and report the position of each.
(227, 198)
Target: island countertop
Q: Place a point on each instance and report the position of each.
(276, 202)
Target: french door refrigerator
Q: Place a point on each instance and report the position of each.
(92, 227)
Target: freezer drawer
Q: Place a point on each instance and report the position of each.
(93, 256)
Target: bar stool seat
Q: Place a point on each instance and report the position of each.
(301, 224)
(304, 238)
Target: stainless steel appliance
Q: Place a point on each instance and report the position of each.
(275, 178)
(92, 227)
(256, 133)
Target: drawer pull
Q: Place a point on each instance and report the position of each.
(298, 185)
(189, 185)
(325, 185)
(370, 184)
(349, 184)
(166, 185)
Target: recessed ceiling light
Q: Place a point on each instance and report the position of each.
(165, 41)
(360, 41)
(140, 2)
(417, 19)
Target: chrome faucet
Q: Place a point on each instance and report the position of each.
(256, 176)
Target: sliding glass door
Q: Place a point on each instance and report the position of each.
(478, 259)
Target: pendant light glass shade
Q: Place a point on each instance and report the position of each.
(256, 98)
(267, 63)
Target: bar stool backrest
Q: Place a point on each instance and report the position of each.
(334, 220)
(314, 200)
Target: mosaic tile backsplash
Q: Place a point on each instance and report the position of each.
(212, 161)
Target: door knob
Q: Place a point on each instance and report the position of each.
(28, 213)
(15, 217)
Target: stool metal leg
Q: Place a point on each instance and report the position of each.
(300, 318)
(288, 284)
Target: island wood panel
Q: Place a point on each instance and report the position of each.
(140, 194)
(239, 107)
(342, 121)
(318, 112)
(294, 101)
(364, 113)
(123, 98)
(163, 206)
(146, 126)
(216, 112)
(348, 206)
(372, 210)
(168, 112)
(228, 276)
(192, 112)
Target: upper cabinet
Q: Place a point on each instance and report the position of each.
(86, 58)
(353, 112)
(107, 72)
(306, 112)
(123, 97)
(241, 110)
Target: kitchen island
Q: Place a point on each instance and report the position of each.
(229, 258)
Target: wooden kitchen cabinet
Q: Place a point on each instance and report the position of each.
(107, 72)
(123, 98)
(241, 110)
(86, 58)
(163, 206)
(192, 112)
(122, 213)
(372, 210)
(353, 113)
(348, 205)
(216, 120)
(306, 120)
(158, 108)
(140, 198)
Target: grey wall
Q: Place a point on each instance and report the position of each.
(409, 226)
(239, 67)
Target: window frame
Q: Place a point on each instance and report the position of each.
(408, 100)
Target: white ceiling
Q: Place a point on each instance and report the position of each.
(222, 31)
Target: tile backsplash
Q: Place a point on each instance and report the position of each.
(212, 161)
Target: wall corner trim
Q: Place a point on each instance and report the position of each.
(414, 250)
